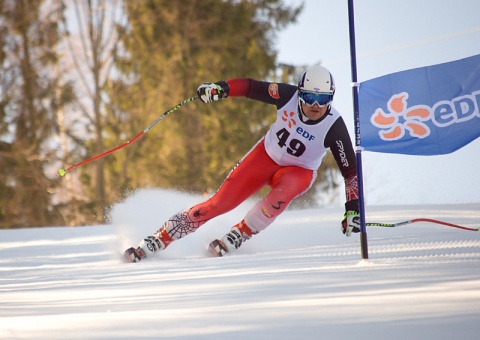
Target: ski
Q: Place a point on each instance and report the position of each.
(217, 248)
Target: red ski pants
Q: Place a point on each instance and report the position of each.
(251, 174)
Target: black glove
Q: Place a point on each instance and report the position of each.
(211, 92)
(351, 219)
(351, 223)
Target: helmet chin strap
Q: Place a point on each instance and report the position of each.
(302, 115)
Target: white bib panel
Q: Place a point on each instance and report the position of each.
(290, 142)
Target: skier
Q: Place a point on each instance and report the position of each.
(286, 159)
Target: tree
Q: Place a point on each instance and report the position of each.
(80, 77)
(91, 39)
(28, 103)
(168, 48)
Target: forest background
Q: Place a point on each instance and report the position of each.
(79, 77)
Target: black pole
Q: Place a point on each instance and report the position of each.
(358, 148)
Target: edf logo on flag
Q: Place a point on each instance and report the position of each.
(431, 110)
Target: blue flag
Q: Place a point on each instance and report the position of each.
(431, 110)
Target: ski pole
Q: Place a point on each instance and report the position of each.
(62, 172)
(398, 224)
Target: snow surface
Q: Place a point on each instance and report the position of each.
(299, 279)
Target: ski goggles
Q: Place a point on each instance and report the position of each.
(310, 98)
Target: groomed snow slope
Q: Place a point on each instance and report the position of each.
(299, 279)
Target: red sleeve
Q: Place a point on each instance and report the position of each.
(239, 87)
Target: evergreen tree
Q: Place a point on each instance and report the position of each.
(28, 102)
(169, 48)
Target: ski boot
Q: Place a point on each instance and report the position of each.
(231, 241)
(146, 248)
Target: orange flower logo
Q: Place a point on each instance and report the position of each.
(401, 119)
(288, 117)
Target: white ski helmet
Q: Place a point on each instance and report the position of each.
(316, 86)
(316, 79)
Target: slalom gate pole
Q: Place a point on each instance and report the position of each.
(358, 149)
(62, 172)
(398, 224)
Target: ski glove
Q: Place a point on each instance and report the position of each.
(211, 92)
(351, 223)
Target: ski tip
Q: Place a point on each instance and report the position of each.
(217, 248)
